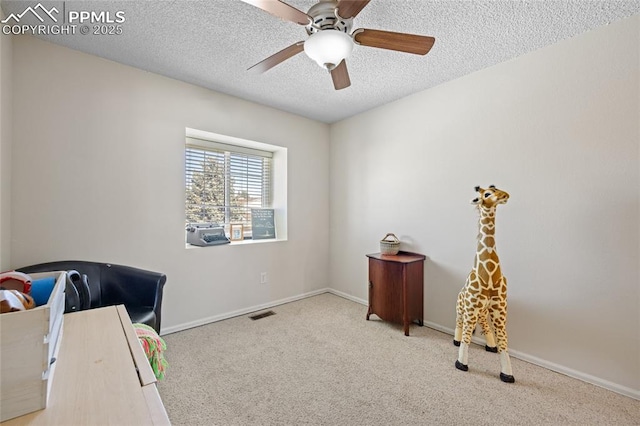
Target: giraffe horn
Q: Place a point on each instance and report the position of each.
(477, 188)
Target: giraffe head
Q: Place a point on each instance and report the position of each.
(490, 197)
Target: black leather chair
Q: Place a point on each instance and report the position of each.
(140, 291)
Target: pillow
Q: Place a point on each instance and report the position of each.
(41, 290)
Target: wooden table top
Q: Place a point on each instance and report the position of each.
(401, 257)
(95, 380)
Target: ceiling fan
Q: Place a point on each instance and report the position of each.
(328, 24)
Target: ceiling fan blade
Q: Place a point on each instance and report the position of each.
(276, 58)
(340, 76)
(281, 10)
(410, 43)
(350, 8)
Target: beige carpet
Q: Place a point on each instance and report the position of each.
(318, 362)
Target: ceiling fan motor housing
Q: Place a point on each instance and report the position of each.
(324, 16)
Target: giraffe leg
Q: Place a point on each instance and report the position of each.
(490, 346)
(470, 321)
(498, 311)
(505, 365)
(459, 316)
(462, 363)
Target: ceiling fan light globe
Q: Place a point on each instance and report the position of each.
(328, 47)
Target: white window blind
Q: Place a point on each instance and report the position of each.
(224, 182)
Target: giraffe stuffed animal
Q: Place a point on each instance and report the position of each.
(485, 292)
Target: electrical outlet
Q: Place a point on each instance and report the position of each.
(263, 278)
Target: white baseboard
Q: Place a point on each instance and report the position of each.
(227, 315)
(623, 390)
(348, 296)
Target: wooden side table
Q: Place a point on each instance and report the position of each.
(396, 288)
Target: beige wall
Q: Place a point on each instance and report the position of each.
(558, 129)
(99, 175)
(5, 148)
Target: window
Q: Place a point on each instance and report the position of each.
(224, 182)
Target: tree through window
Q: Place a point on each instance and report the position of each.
(222, 185)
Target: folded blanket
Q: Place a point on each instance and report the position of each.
(154, 347)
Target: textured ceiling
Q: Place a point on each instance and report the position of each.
(212, 43)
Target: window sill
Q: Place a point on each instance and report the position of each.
(237, 243)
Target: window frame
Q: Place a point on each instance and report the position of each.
(278, 180)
